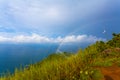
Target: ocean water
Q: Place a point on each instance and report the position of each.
(16, 55)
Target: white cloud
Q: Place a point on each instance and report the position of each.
(47, 16)
(41, 10)
(35, 38)
(37, 14)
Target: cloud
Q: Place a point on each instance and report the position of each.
(50, 11)
(46, 15)
(35, 38)
(53, 17)
(35, 13)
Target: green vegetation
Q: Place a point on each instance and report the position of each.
(80, 66)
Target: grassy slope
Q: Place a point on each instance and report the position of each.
(80, 66)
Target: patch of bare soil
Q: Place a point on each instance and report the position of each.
(111, 73)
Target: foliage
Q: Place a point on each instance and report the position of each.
(115, 42)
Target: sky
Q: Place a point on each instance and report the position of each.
(55, 21)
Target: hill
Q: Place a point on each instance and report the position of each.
(98, 61)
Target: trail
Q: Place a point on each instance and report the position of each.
(111, 73)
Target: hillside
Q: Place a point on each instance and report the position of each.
(99, 61)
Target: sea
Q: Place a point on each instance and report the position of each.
(14, 56)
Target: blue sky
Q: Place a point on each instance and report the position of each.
(58, 20)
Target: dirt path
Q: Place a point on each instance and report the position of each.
(111, 73)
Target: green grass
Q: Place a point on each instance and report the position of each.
(67, 66)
